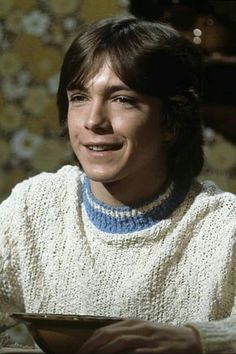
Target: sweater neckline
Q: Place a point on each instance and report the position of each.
(127, 219)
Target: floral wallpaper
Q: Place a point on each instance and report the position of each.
(34, 35)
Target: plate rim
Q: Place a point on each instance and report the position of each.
(33, 316)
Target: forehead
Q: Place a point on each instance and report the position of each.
(105, 75)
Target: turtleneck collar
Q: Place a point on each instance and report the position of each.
(128, 219)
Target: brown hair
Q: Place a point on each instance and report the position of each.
(152, 59)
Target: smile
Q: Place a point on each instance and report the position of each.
(103, 147)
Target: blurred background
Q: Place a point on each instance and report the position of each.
(34, 35)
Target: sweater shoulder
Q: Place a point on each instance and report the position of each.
(213, 198)
(211, 190)
(54, 180)
(46, 185)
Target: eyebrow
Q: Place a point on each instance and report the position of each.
(109, 90)
(115, 88)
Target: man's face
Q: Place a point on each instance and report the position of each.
(115, 132)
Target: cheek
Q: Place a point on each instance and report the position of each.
(138, 130)
(128, 124)
(70, 129)
(73, 133)
(148, 131)
(72, 124)
(150, 140)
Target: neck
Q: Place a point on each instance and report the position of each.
(123, 219)
(121, 193)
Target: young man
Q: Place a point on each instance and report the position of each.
(129, 232)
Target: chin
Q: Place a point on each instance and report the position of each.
(102, 176)
(102, 179)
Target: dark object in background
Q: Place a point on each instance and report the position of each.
(219, 96)
(219, 85)
(216, 21)
(181, 14)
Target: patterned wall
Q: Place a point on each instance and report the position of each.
(34, 35)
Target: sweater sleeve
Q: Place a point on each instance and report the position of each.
(12, 212)
(218, 337)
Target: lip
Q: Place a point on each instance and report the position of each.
(110, 146)
(103, 154)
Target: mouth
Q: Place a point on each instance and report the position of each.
(101, 148)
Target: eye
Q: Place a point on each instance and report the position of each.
(78, 98)
(126, 100)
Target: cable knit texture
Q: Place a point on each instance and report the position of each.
(63, 251)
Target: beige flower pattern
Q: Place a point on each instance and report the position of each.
(34, 35)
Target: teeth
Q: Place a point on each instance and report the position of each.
(104, 147)
(100, 147)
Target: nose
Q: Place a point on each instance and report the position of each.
(97, 116)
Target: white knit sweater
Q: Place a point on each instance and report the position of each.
(55, 258)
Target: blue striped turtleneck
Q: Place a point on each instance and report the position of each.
(128, 219)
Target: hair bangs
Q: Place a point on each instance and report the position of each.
(86, 70)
